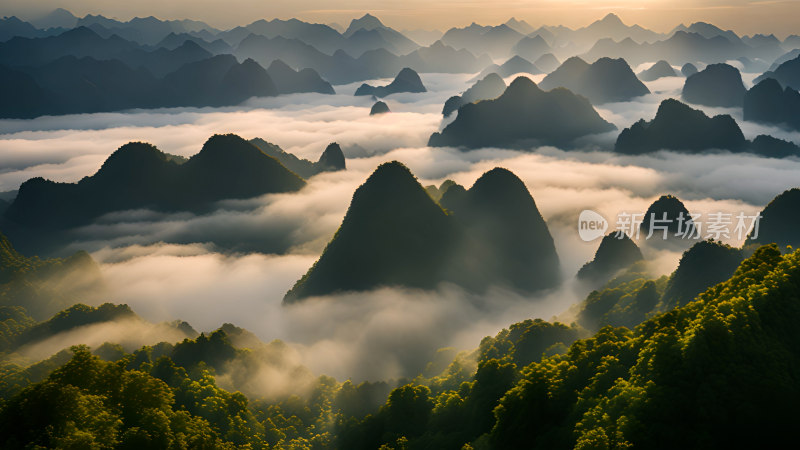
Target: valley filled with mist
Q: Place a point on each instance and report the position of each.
(298, 235)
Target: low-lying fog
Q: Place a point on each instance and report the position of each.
(165, 265)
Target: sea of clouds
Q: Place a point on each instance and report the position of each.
(235, 264)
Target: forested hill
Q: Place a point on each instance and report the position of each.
(722, 369)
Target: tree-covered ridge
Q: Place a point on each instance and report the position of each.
(15, 334)
(523, 117)
(616, 252)
(633, 296)
(90, 403)
(332, 159)
(168, 396)
(45, 286)
(394, 234)
(720, 369)
(718, 372)
(778, 221)
(140, 176)
(390, 224)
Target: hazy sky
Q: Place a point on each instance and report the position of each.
(744, 16)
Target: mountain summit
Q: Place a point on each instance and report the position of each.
(138, 175)
(395, 235)
(606, 80)
(523, 117)
(406, 81)
(681, 128)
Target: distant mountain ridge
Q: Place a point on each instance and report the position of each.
(606, 80)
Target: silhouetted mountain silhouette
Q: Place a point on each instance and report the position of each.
(496, 41)
(332, 159)
(163, 61)
(290, 81)
(394, 234)
(513, 66)
(86, 85)
(531, 47)
(452, 104)
(217, 81)
(322, 37)
(681, 128)
(57, 18)
(779, 221)
(139, 175)
(708, 31)
(772, 147)
(490, 87)
(524, 116)
(668, 211)
(784, 58)
(511, 242)
(768, 102)
(46, 286)
(405, 81)
(688, 70)
(379, 108)
(175, 40)
(547, 63)
(79, 42)
(660, 69)
(680, 48)
(517, 64)
(145, 30)
(705, 264)
(22, 96)
(716, 85)
(614, 254)
(368, 33)
(442, 58)
(605, 80)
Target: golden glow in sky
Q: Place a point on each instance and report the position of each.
(743, 16)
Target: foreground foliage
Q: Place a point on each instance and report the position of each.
(719, 371)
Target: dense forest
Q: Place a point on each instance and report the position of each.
(722, 368)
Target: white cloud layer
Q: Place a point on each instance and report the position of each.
(167, 266)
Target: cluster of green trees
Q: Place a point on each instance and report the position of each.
(45, 286)
(166, 396)
(718, 372)
(721, 370)
(632, 297)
